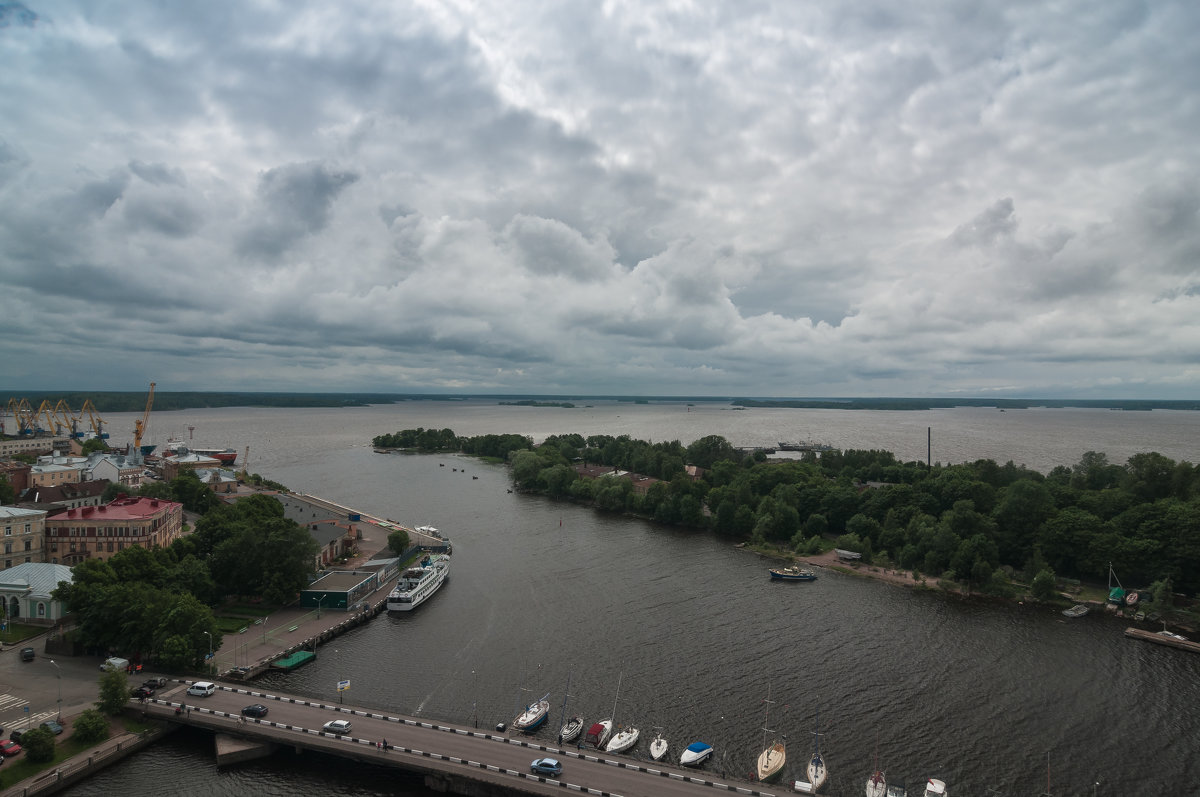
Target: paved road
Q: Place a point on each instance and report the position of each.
(455, 749)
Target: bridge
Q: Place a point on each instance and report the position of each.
(455, 759)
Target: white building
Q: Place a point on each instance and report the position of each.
(25, 592)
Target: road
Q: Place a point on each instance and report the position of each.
(456, 750)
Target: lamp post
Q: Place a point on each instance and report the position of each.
(209, 635)
(265, 619)
(323, 597)
(58, 670)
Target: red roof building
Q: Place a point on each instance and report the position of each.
(100, 531)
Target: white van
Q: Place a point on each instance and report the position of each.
(202, 688)
(115, 663)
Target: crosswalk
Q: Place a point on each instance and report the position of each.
(12, 714)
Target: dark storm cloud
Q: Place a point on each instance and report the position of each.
(12, 13)
(293, 202)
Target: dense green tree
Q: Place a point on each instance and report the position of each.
(38, 745)
(707, 451)
(114, 691)
(89, 727)
(1043, 587)
(398, 541)
(7, 494)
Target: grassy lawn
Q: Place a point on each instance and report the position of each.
(16, 632)
(231, 625)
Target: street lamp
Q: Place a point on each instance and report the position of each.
(209, 635)
(58, 670)
(265, 619)
(323, 597)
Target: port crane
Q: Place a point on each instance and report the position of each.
(139, 425)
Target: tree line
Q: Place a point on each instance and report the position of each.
(979, 522)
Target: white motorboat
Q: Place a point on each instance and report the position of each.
(597, 735)
(935, 788)
(695, 754)
(571, 726)
(658, 747)
(418, 583)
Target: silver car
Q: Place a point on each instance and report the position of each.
(337, 727)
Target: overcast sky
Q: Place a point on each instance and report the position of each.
(837, 198)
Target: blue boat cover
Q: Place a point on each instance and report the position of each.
(697, 747)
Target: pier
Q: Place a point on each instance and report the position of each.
(454, 759)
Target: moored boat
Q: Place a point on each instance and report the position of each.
(935, 788)
(658, 747)
(597, 735)
(792, 573)
(623, 740)
(896, 789)
(695, 754)
(1078, 610)
(418, 583)
(774, 755)
(877, 783)
(534, 716)
(570, 729)
(817, 771)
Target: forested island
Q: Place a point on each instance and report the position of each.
(982, 524)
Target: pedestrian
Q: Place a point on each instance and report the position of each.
(385, 745)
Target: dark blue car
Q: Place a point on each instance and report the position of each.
(546, 766)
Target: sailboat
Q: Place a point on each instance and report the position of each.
(533, 716)
(623, 739)
(877, 783)
(774, 755)
(572, 726)
(658, 747)
(817, 771)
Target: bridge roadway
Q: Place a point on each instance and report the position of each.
(457, 758)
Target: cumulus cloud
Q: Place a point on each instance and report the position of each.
(751, 198)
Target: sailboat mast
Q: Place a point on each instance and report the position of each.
(615, 699)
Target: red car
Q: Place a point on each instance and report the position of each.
(9, 748)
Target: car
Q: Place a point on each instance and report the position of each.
(53, 726)
(155, 683)
(255, 710)
(28, 654)
(336, 727)
(202, 689)
(9, 748)
(16, 735)
(143, 691)
(546, 766)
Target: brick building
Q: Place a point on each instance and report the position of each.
(101, 531)
(23, 530)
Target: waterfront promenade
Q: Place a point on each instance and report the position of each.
(453, 758)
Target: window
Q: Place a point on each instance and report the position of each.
(29, 545)
(8, 531)
(7, 563)
(41, 609)
(110, 546)
(27, 529)
(8, 547)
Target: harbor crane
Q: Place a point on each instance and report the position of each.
(139, 425)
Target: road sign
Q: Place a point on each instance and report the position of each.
(343, 686)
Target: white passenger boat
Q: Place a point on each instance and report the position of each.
(418, 583)
(935, 788)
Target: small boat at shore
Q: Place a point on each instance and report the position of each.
(572, 726)
(935, 788)
(658, 747)
(597, 735)
(792, 573)
(1078, 610)
(817, 772)
(877, 783)
(696, 754)
(534, 716)
(774, 755)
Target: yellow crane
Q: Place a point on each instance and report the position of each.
(139, 426)
(89, 409)
(23, 415)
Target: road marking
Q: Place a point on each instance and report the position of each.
(11, 701)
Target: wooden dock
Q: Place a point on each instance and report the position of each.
(1160, 638)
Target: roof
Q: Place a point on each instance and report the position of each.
(18, 512)
(139, 508)
(66, 492)
(339, 581)
(40, 578)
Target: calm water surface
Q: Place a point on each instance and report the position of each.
(975, 693)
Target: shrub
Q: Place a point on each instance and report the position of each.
(38, 745)
(91, 726)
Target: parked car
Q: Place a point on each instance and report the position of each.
(155, 683)
(28, 654)
(546, 766)
(337, 726)
(143, 691)
(16, 735)
(53, 726)
(255, 710)
(9, 748)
